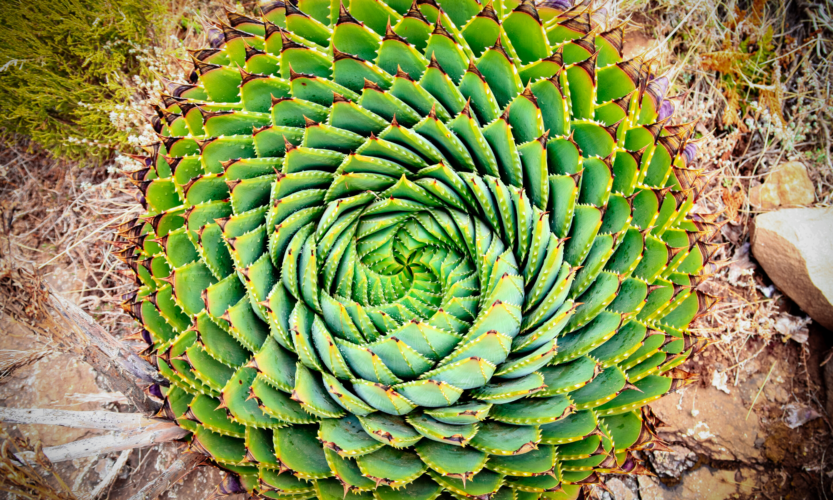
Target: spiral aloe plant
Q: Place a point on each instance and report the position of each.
(397, 249)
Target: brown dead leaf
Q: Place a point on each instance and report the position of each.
(731, 115)
(733, 202)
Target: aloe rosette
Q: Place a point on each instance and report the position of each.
(399, 249)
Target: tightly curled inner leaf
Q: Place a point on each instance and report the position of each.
(423, 248)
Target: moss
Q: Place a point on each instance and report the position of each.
(63, 64)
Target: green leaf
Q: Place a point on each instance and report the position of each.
(346, 437)
(297, 448)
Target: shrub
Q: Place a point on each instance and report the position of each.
(63, 68)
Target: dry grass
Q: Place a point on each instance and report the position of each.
(24, 480)
(72, 211)
(759, 106)
(57, 218)
(756, 77)
(62, 215)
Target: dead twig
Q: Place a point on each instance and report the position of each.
(110, 478)
(181, 467)
(159, 432)
(102, 420)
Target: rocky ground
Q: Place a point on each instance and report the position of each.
(756, 425)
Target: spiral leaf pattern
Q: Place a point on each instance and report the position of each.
(397, 249)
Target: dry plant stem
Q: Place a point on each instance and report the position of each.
(73, 330)
(11, 360)
(146, 436)
(760, 391)
(104, 420)
(111, 476)
(85, 238)
(176, 471)
(24, 480)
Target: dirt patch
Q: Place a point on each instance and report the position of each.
(49, 382)
(724, 450)
(60, 381)
(144, 465)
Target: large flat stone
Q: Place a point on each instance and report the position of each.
(619, 490)
(717, 427)
(46, 383)
(702, 483)
(706, 482)
(795, 248)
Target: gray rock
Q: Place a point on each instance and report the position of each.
(623, 488)
(795, 248)
(649, 488)
(672, 465)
